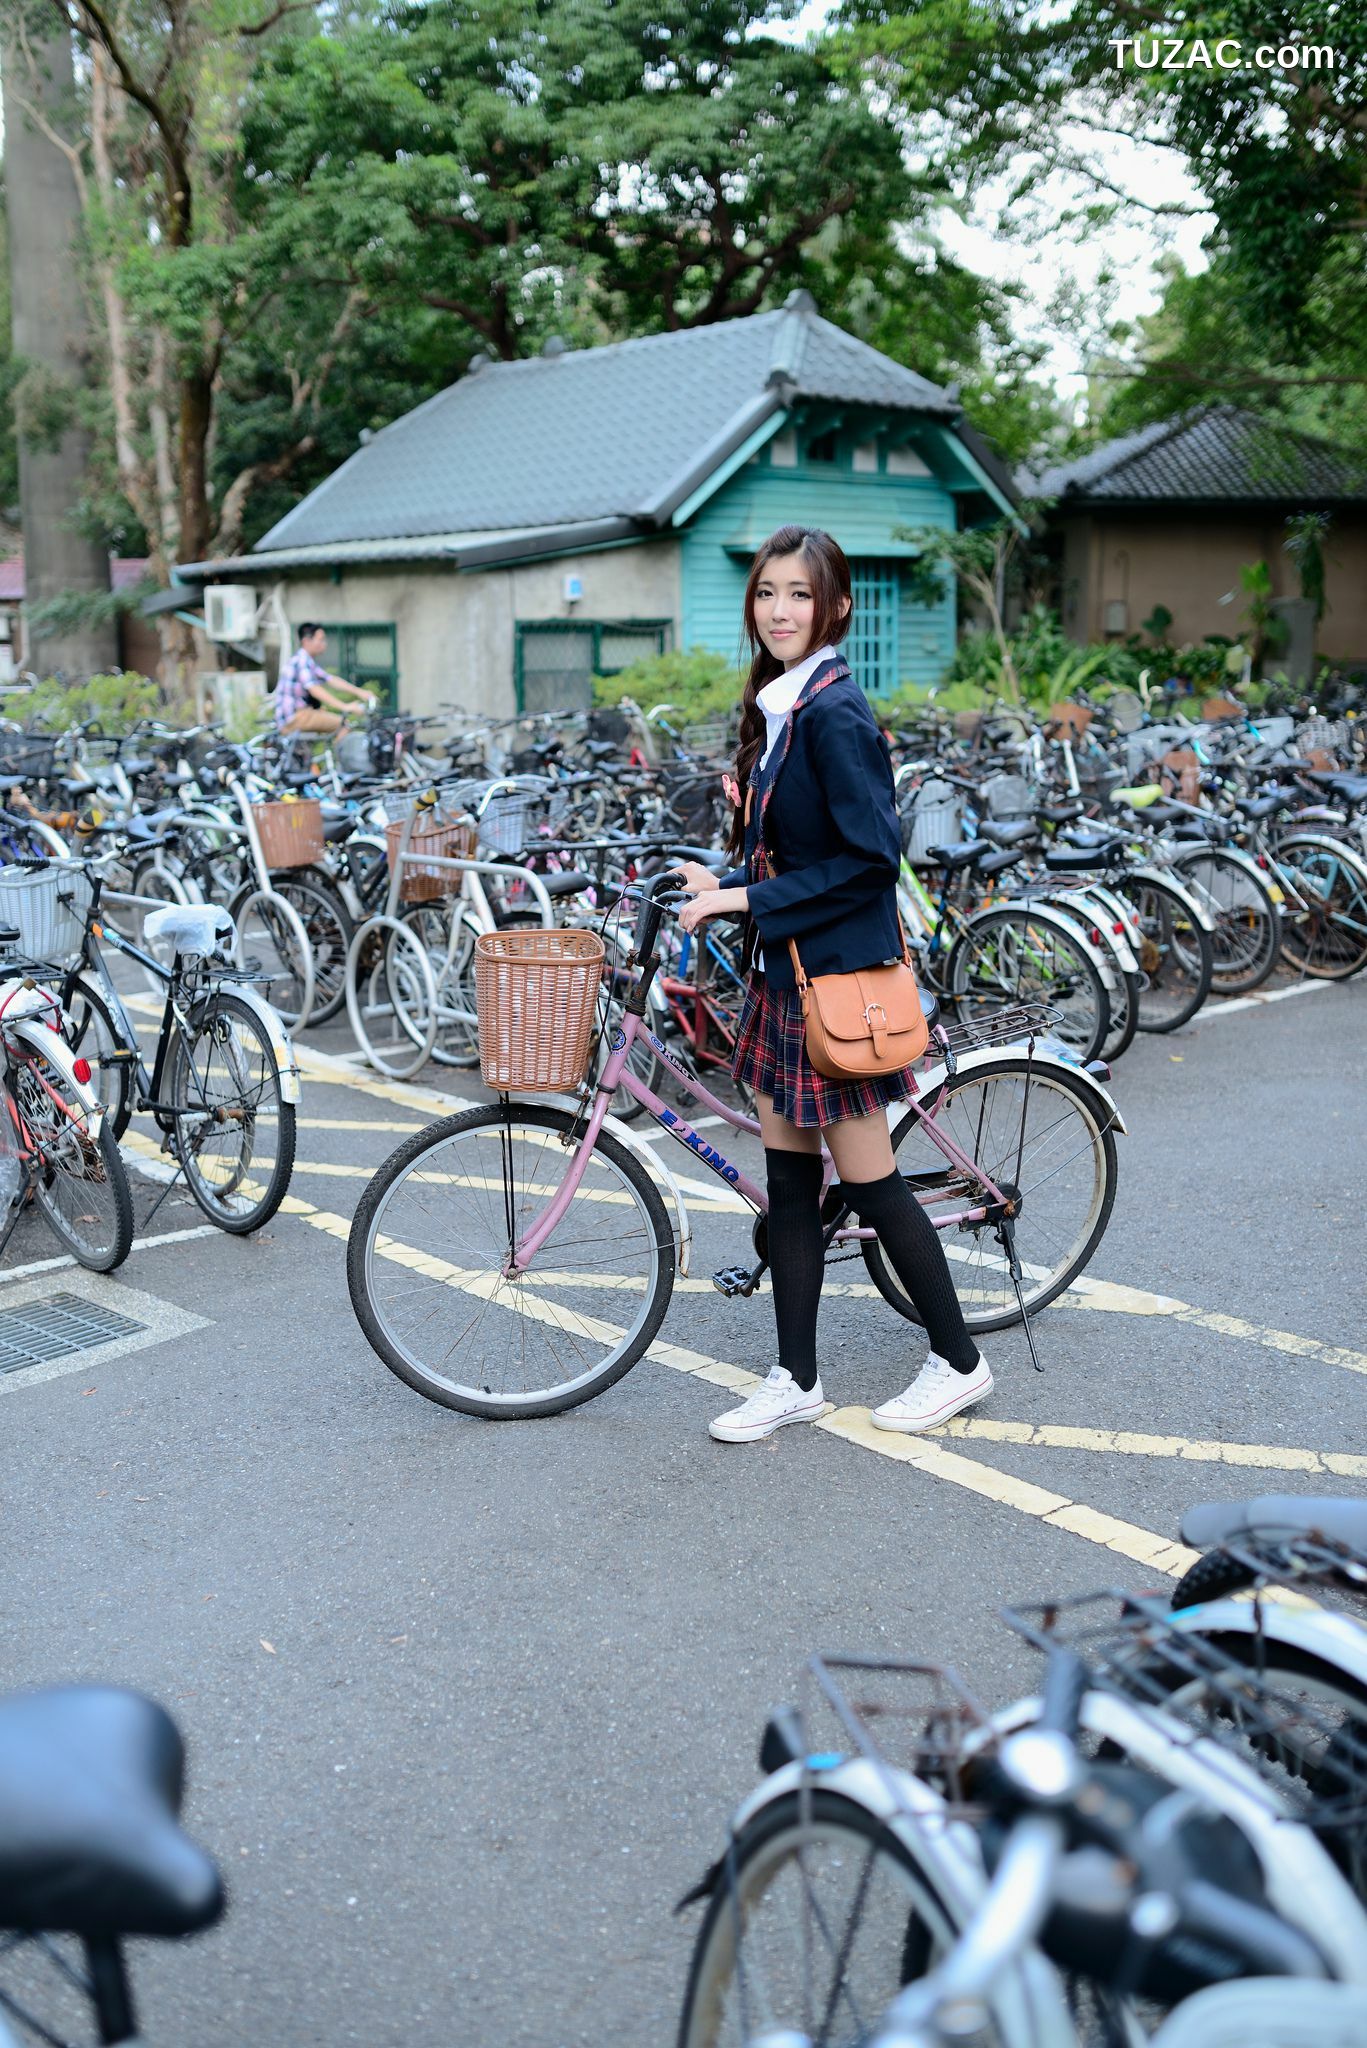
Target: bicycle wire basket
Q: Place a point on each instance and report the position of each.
(932, 817)
(27, 753)
(291, 834)
(443, 833)
(536, 997)
(48, 906)
(1314, 1762)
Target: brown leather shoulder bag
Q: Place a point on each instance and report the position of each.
(863, 1024)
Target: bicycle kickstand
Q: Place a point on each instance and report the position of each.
(1006, 1238)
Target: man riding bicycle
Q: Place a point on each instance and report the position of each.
(307, 697)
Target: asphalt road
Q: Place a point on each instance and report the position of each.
(468, 1704)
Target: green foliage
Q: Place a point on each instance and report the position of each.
(118, 701)
(72, 610)
(1306, 535)
(1157, 625)
(697, 682)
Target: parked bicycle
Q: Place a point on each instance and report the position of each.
(517, 1260)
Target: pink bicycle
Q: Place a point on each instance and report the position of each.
(518, 1259)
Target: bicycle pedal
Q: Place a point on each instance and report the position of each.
(734, 1280)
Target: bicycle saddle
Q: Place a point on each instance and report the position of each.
(1013, 834)
(965, 855)
(997, 863)
(338, 828)
(1081, 860)
(1276, 1514)
(90, 1786)
(570, 883)
(1263, 806)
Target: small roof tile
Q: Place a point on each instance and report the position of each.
(1210, 453)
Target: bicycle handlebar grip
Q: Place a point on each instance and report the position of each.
(1066, 1679)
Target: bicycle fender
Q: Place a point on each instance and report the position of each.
(1194, 909)
(1317, 1630)
(1048, 1055)
(279, 1038)
(33, 1031)
(683, 1233)
(1047, 912)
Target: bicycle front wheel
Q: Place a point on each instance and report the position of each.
(819, 1916)
(234, 1131)
(1036, 1129)
(1247, 934)
(430, 1245)
(82, 1183)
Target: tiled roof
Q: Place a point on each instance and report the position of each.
(591, 434)
(1211, 453)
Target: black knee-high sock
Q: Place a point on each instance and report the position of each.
(796, 1262)
(917, 1257)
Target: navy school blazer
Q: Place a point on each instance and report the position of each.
(825, 813)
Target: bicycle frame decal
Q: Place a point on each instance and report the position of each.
(707, 1153)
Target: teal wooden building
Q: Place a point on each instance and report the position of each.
(543, 521)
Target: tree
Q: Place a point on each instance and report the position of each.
(1013, 86)
(51, 347)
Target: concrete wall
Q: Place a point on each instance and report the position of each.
(455, 629)
(1188, 562)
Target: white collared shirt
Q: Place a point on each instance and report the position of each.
(778, 697)
(776, 700)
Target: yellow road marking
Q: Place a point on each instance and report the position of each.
(1155, 1552)
(1135, 1444)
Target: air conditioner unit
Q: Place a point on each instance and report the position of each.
(230, 612)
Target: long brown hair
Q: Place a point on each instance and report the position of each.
(830, 577)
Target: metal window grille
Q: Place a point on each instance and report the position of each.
(873, 652)
(557, 659)
(367, 656)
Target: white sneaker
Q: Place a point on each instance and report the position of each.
(779, 1400)
(936, 1393)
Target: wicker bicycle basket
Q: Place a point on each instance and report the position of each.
(48, 907)
(536, 996)
(291, 834)
(442, 839)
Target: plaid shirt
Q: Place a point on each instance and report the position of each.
(300, 674)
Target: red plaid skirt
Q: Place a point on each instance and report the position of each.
(771, 1058)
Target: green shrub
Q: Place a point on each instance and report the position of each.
(697, 682)
(117, 701)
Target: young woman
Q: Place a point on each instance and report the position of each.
(817, 828)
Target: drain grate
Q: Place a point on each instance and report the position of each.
(39, 1330)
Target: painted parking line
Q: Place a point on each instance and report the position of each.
(1136, 1444)
(852, 1425)
(1216, 1008)
(139, 1244)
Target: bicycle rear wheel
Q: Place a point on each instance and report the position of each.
(1324, 932)
(234, 1131)
(1247, 931)
(1175, 953)
(93, 1032)
(82, 1183)
(1017, 955)
(430, 1244)
(1037, 1129)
